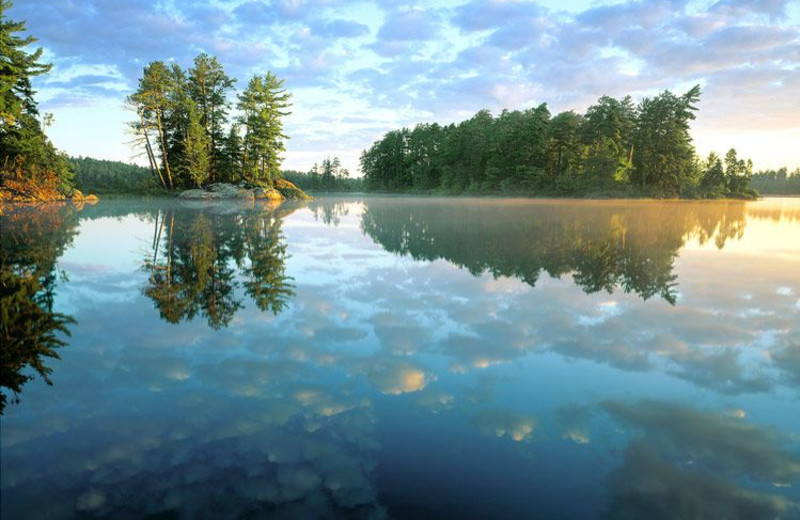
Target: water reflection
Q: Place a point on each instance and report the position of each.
(31, 240)
(686, 463)
(602, 246)
(389, 387)
(200, 258)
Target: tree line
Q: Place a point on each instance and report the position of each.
(327, 176)
(105, 176)
(184, 126)
(777, 182)
(615, 147)
(30, 166)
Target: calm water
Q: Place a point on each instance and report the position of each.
(407, 358)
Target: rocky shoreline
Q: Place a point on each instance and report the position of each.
(281, 190)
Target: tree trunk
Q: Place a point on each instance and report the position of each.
(163, 137)
(150, 155)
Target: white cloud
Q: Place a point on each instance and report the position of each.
(397, 66)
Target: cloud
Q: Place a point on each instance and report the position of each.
(397, 377)
(479, 15)
(406, 25)
(338, 28)
(648, 486)
(440, 64)
(503, 423)
(726, 444)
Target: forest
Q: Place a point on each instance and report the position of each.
(327, 176)
(616, 148)
(105, 176)
(777, 182)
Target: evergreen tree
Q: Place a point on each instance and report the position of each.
(263, 105)
(152, 102)
(18, 67)
(663, 156)
(197, 159)
(208, 87)
(229, 165)
(30, 166)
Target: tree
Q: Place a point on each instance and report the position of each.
(153, 102)
(663, 156)
(713, 179)
(228, 167)
(564, 144)
(208, 87)
(263, 105)
(30, 166)
(738, 173)
(197, 159)
(18, 67)
(607, 132)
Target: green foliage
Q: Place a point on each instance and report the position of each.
(18, 67)
(263, 105)
(196, 149)
(208, 87)
(615, 148)
(728, 178)
(182, 125)
(663, 155)
(104, 176)
(28, 160)
(311, 181)
(777, 182)
(327, 176)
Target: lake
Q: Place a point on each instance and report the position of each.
(391, 357)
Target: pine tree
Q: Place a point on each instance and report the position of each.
(30, 166)
(197, 159)
(208, 87)
(263, 105)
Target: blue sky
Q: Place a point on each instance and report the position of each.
(359, 69)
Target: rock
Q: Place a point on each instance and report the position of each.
(243, 191)
(290, 191)
(198, 194)
(267, 193)
(229, 191)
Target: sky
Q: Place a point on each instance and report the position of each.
(357, 69)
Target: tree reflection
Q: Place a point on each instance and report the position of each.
(31, 240)
(602, 246)
(329, 211)
(200, 259)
